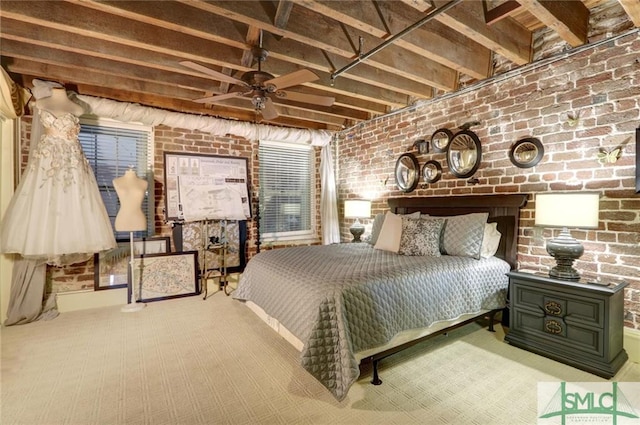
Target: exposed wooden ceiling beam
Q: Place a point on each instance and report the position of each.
(431, 40)
(324, 33)
(570, 19)
(632, 7)
(505, 37)
(282, 13)
(504, 10)
(194, 31)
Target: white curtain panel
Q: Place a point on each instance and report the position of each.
(328, 199)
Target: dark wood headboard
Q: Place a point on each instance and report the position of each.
(502, 209)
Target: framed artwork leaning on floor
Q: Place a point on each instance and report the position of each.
(111, 268)
(163, 276)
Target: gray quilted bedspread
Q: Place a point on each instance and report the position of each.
(344, 298)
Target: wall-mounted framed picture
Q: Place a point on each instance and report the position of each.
(164, 276)
(111, 268)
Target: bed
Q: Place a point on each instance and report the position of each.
(344, 304)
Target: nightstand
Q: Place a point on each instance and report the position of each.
(579, 323)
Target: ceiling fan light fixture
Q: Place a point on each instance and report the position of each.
(258, 102)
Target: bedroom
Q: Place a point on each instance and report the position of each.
(574, 121)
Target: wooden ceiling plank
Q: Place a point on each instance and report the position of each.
(632, 8)
(570, 19)
(150, 16)
(505, 37)
(421, 5)
(29, 17)
(60, 42)
(501, 11)
(282, 13)
(321, 32)
(432, 40)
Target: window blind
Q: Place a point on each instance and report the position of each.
(286, 190)
(111, 149)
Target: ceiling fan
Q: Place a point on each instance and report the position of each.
(260, 86)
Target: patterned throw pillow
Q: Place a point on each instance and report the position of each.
(421, 237)
(463, 235)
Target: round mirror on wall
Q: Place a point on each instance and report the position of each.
(407, 172)
(441, 139)
(464, 154)
(431, 171)
(526, 153)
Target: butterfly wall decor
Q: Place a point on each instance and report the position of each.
(611, 156)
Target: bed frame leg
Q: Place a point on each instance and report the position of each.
(492, 316)
(376, 379)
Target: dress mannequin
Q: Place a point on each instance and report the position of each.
(130, 190)
(59, 104)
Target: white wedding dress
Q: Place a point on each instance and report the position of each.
(57, 214)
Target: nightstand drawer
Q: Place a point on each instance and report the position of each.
(571, 308)
(552, 330)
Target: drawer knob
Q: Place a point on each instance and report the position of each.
(552, 327)
(553, 308)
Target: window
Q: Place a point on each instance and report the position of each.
(287, 196)
(111, 148)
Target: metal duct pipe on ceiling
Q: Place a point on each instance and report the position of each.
(363, 57)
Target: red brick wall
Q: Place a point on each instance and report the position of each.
(600, 84)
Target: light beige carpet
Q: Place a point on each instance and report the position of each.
(189, 361)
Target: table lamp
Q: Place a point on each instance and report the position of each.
(357, 208)
(566, 209)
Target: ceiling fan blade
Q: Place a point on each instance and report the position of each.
(219, 97)
(269, 111)
(292, 79)
(210, 72)
(305, 98)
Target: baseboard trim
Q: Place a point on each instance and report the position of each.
(632, 344)
(83, 300)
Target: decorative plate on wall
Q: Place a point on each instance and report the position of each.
(431, 171)
(464, 154)
(440, 139)
(526, 153)
(407, 172)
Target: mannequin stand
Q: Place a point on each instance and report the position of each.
(133, 305)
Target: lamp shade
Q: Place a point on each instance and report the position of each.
(568, 209)
(357, 208)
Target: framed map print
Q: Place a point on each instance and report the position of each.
(111, 268)
(164, 276)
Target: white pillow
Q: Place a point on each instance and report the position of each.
(391, 231)
(375, 228)
(490, 241)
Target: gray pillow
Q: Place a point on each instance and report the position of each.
(421, 237)
(463, 235)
